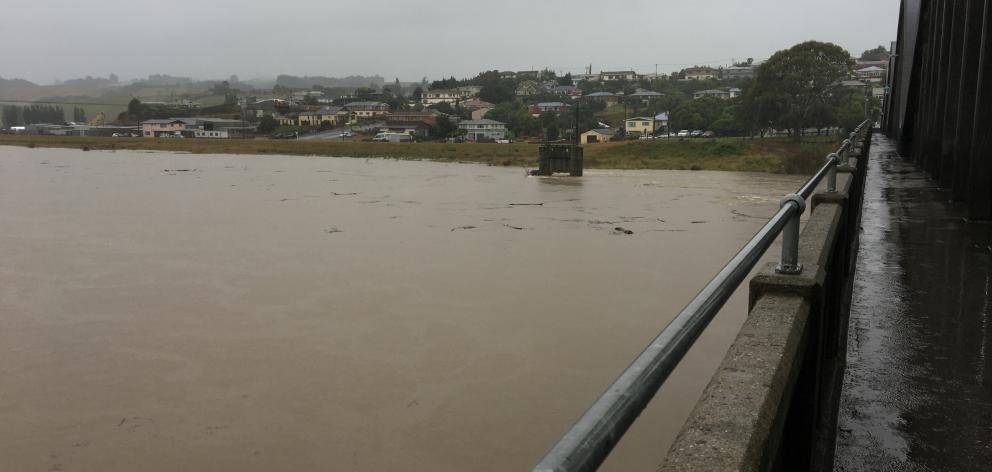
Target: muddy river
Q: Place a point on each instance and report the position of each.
(163, 312)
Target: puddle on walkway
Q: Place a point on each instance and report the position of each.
(917, 393)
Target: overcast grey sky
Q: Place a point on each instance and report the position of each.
(47, 39)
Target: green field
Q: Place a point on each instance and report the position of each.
(777, 155)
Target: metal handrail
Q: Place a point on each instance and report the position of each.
(591, 439)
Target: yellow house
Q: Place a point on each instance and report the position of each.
(641, 125)
(603, 135)
(333, 115)
(156, 128)
(287, 120)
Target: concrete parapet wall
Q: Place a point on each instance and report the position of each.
(772, 403)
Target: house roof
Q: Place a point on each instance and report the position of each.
(477, 104)
(405, 124)
(551, 104)
(663, 116)
(483, 121)
(614, 72)
(444, 91)
(601, 94)
(712, 92)
(365, 104)
(603, 131)
(640, 118)
(160, 121)
(424, 114)
(871, 69)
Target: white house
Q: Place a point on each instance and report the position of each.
(484, 129)
(722, 94)
(627, 75)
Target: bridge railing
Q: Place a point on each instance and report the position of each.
(591, 439)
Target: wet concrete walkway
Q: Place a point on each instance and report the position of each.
(917, 392)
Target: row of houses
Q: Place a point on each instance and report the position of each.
(331, 115)
(196, 127)
(472, 130)
(637, 126)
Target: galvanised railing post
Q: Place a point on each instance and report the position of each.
(789, 264)
(832, 160)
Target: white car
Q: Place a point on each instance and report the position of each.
(684, 133)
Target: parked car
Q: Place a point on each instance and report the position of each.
(709, 134)
(646, 136)
(503, 141)
(684, 133)
(696, 133)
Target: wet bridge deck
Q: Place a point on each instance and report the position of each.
(917, 392)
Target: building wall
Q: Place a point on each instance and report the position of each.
(152, 130)
(480, 113)
(477, 132)
(642, 127)
(590, 137)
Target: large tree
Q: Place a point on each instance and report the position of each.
(878, 54)
(800, 81)
(698, 114)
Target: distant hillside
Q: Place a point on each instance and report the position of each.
(352, 81)
(18, 89)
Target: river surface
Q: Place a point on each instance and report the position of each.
(163, 312)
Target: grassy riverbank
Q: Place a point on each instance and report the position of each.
(728, 154)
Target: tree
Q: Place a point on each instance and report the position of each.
(267, 125)
(442, 84)
(699, 114)
(517, 117)
(221, 88)
(878, 54)
(134, 107)
(78, 115)
(397, 88)
(443, 128)
(12, 116)
(418, 93)
(444, 107)
(800, 80)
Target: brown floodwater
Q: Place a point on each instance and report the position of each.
(165, 312)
